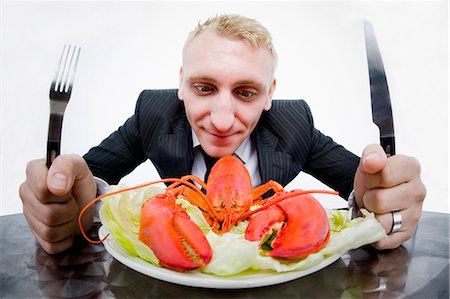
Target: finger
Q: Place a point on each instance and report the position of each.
(38, 198)
(50, 247)
(392, 241)
(400, 197)
(50, 234)
(399, 169)
(36, 172)
(387, 221)
(382, 201)
(51, 214)
(56, 247)
(410, 218)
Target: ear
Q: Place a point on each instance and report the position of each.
(268, 103)
(180, 85)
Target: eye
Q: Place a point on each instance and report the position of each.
(246, 94)
(203, 89)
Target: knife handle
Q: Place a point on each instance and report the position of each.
(388, 144)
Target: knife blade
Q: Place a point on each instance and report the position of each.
(379, 92)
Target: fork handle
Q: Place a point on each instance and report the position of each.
(54, 137)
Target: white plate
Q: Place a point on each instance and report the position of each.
(198, 279)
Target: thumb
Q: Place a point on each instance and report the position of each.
(373, 159)
(65, 172)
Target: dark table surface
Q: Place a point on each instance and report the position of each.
(418, 269)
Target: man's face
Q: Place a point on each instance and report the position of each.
(225, 85)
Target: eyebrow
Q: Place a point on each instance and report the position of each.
(212, 80)
(203, 78)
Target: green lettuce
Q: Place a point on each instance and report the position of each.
(345, 234)
(120, 214)
(232, 253)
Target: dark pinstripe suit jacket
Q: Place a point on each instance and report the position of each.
(286, 141)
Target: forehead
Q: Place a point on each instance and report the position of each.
(211, 55)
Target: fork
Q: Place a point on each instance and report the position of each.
(60, 91)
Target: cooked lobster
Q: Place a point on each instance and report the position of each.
(294, 221)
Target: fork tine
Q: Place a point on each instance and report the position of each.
(56, 83)
(64, 70)
(65, 73)
(72, 69)
(58, 70)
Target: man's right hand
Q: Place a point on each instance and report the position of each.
(52, 199)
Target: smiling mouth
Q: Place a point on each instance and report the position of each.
(220, 138)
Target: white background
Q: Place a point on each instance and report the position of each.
(131, 46)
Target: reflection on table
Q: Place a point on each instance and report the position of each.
(419, 269)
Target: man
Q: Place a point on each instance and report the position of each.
(223, 106)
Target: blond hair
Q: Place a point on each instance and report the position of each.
(237, 27)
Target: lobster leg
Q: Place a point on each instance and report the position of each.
(189, 178)
(197, 200)
(260, 190)
(191, 195)
(175, 239)
(300, 223)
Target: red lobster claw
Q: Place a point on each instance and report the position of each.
(175, 239)
(302, 225)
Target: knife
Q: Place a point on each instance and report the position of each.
(379, 92)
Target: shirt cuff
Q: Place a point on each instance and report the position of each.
(102, 188)
(356, 212)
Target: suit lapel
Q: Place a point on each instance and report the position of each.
(273, 164)
(176, 149)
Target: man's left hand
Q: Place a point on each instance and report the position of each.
(387, 184)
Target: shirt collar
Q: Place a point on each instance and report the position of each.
(195, 140)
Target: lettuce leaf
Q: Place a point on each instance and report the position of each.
(346, 234)
(195, 214)
(232, 254)
(121, 214)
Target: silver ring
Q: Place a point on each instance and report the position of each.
(397, 222)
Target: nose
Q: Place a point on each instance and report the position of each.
(223, 112)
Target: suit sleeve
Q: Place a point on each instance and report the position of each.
(330, 162)
(120, 153)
